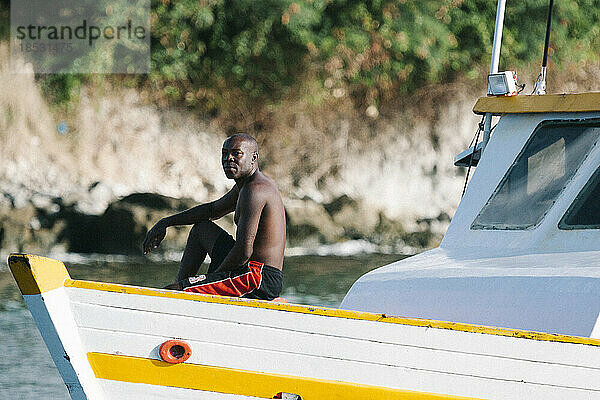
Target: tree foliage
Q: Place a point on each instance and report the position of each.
(264, 50)
(374, 49)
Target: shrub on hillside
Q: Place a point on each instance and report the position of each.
(205, 52)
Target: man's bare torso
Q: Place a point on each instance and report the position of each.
(269, 242)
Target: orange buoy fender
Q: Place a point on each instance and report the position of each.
(175, 351)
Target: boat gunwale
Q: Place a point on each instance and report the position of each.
(330, 312)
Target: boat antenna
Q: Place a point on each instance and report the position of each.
(540, 85)
(494, 67)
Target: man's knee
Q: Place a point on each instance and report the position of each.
(204, 234)
(202, 228)
(199, 227)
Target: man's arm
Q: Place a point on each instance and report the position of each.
(212, 210)
(251, 203)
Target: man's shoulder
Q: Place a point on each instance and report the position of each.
(262, 185)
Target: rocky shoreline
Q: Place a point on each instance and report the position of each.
(94, 178)
(50, 225)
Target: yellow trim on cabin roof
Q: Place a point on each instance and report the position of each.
(331, 312)
(35, 274)
(582, 102)
(239, 382)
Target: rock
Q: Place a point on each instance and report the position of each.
(45, 223)
(121, 229)
(357, 219)
(99, 195)
(308, 223)
(15, 231)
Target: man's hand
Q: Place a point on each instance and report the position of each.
(155, 235)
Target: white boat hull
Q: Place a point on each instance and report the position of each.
(104, 339)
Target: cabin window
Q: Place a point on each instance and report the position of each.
(541, 171)
(584, 213)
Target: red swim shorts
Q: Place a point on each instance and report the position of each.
(254, 280)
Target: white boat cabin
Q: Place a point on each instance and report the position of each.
(523, 248)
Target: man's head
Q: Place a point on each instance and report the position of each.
(239, 156)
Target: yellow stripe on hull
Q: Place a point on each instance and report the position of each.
(333, 312)
(240, 382)
(35, 275)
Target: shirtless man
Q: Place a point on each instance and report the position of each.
(249, 266)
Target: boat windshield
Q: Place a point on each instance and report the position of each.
(584, 213)
(539, 174)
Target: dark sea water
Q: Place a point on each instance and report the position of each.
(26, 369)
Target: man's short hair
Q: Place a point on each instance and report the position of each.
(247, 138)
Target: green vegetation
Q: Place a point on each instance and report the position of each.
(4, 19)
(206, 52)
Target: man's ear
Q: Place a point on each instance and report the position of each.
(254, 156)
